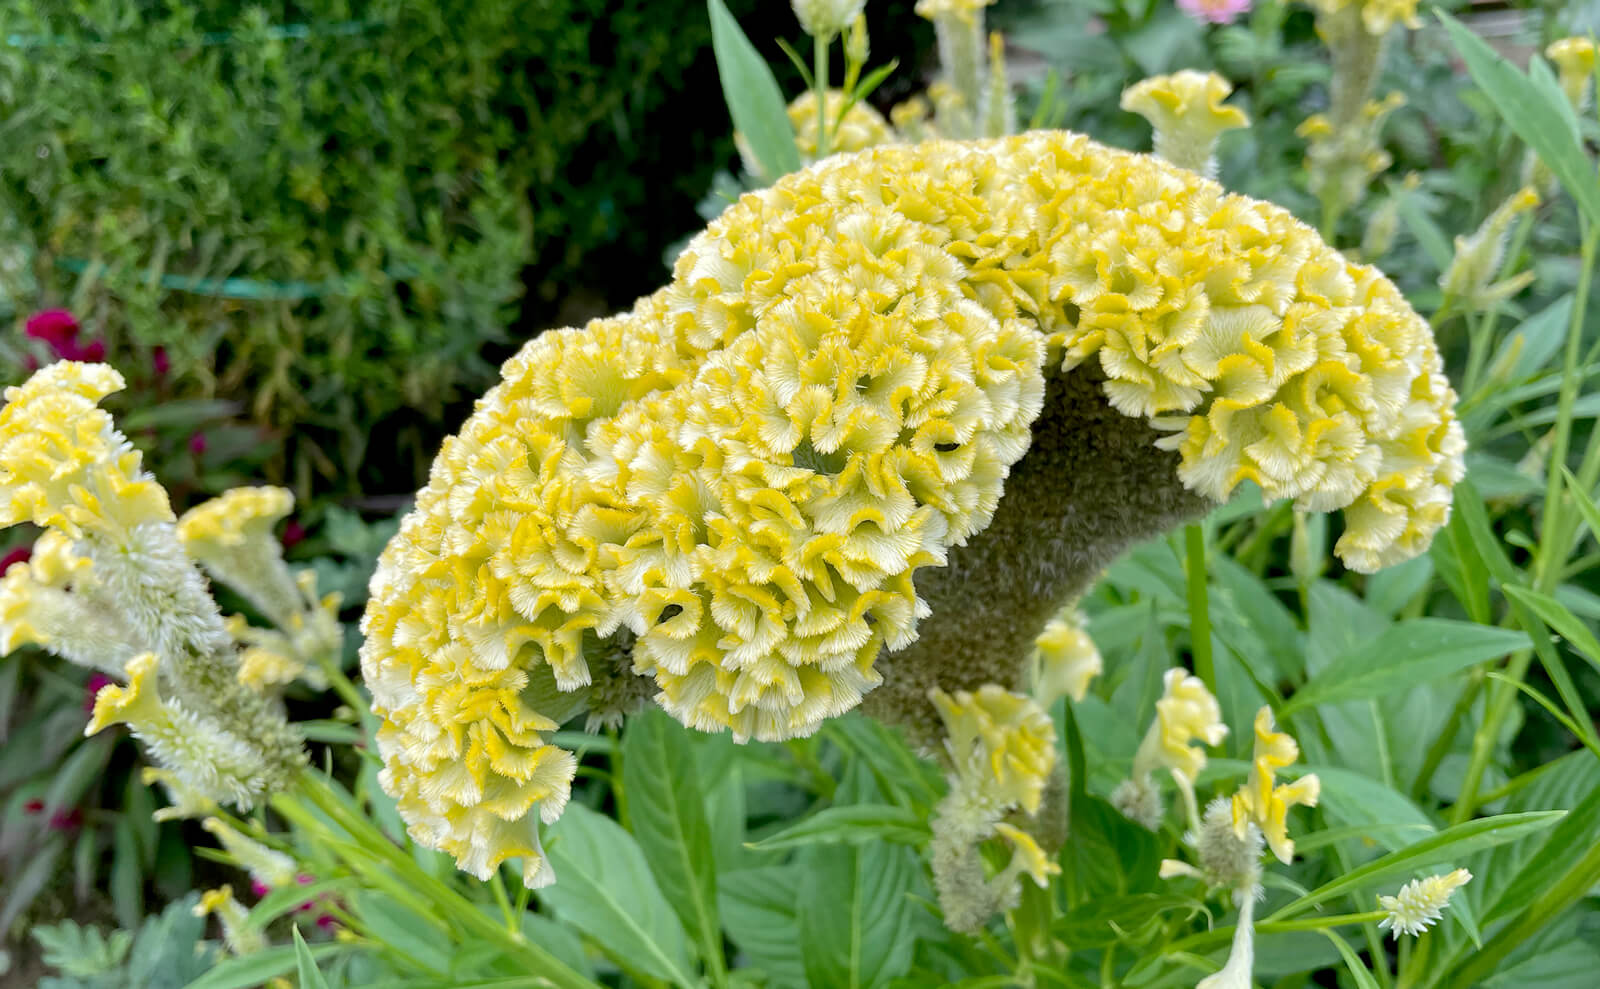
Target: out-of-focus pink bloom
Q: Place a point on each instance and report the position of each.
(69, 819)
(33, 806)
(92, 689)
(197, 444)
(293, 533)
(30, 362)
(259, 888)
(22, 554)
(56, 327)
(326, 923)
(160, 361)
(1214, 11)
(94, 352)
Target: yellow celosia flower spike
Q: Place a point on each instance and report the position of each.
(1265, 805)
(1186, 714)
(1067, 659)
(1377, 16)
(1574, 58)
(1002, 741)
(1185, 109)
(735, 484)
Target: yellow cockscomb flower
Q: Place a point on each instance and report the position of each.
(1027, 856)
(1574, 58)
(1265, 805)
(1002, 742)
(847, 372)
(42, 604)
(267, 866)
(1377, 16)
(237, 932)
(231, 536)
(1186, 714)
(63, 465)
(1067, 659)
(1186, 112)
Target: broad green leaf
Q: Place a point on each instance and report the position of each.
(1579, 829)
(605, 889)
(1561, 621)
(853, 824)
(667, 814)
(306, 965)
(1351, 798)
(904, 778)
(393, 923)
(1535, 111)
(754, 100)
(1130, 920)
(854, 931)
(1450, 844)
(254, 970)
(760, 908)
(1581, 498)
(1422, 226)
(1403, 656)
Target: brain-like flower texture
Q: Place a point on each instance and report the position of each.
(889, 416)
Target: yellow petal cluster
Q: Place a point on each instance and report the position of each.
(237, 932)
(747, 469)
(1002, 742)
(1420, 902)
(1185, 714)
(1264, 804)
(1377, 16)
(1574, 58)
(1186, 111)
(42, 604)
(1067, 659)
(234, 517)
(1027, 856)
(964, 10)
(63, 465)
(860, 128)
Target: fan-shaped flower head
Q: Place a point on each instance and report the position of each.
(890, 415)
(1377, 16)
(1186, 112)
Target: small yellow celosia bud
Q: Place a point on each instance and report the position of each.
(1470, 276)
(136, 705)
(1185, 714)
(856, 46)
(1420, 903)
(823, 19)
(1027, 856)
(965, 10)
(1001, 742)
(1574, 58)
(1067, 660)
(1261, 803)
(1188, 116)
(237, 933)
(267, 866)
(1377, 16)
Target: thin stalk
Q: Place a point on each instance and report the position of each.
(819, 82)
(1194, 538)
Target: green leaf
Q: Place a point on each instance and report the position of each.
(1580, 828)
(754, 100)
(605, 889)
(1403, 656)
(1581, 498)
(306, 965)
(855, 930)
(854, 824)
(1353, 799)
(667, 815)
(253, 970)
(1358, 969)
(1448, 845)
(1130, 919)
(1535, 111)
(760, 907)
(1561, 621)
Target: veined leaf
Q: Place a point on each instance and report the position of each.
(1561, 621)
(306, 964)
(606, 890)
(853, 824)
(1405, 655)
(754, 100)
(668, 817)
(856, 930)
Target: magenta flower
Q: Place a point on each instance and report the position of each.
(160, 362)
(293, 533)
(22, 554)
(56, 327)
(92, 690)
(197, 444)
(1214, 11)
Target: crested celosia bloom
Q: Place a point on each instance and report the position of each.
(1261, 803)
(1186, 113)
(1187, 719)
(110, 587)
(1001, 743)
(1574, 58)
(1067, 659)
(1420, 903)
(1377, 16)
(1214, 11)
(987, 366)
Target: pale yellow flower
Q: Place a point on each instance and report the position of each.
(267, 866)
(1420, 903)
(1265, 805)
(1186, 111)
(823, 19)
(237, 932)
(1002, 742)
(1067, 659)
(1574, 58)
(1186, 714)
(1377, 16)
(1027, 856)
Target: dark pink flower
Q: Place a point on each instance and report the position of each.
(259, 888)
(30, 363)
(56, 327)
(94, 353)
(70, 819)
(21, 554)
(33, 806)
(160, 361)
(293, 533)
(197, 444)
(326, 923)
(92, 689)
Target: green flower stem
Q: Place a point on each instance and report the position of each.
(819, 83)
(370, 854)
(1194, 538)
(1554, 543)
